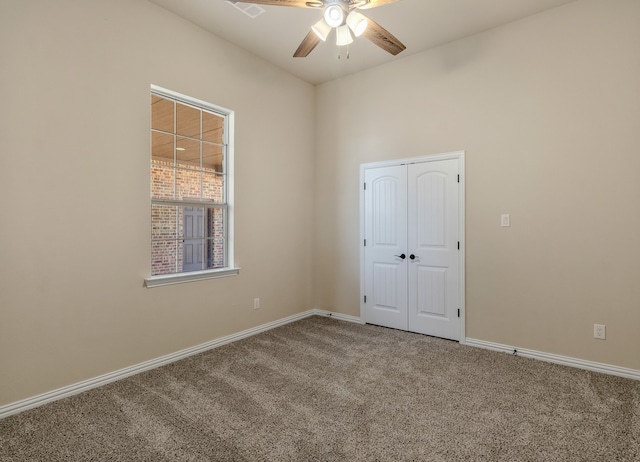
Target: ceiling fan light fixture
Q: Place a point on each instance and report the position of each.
(357, 22)
(321, 29)
(334, 15)
(343, 35)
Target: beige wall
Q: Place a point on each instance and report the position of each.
(548, 112)
(547, 109)
(74, 190)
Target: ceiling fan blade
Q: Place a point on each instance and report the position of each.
(307, 45)
(383, 38)
(296, 3)
(366, 4)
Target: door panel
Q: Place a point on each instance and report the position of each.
(430, 193)
(386, 231)
(193, 242)
(431, 291)
(433, 240)
(385, 285)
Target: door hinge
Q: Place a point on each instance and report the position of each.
(458, 245)
(365, 242)
(365, 299)
(458, 312)
(365, 186)
(458, 178)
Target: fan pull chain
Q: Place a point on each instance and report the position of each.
(340, 52)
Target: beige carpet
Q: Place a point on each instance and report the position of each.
(325, 390)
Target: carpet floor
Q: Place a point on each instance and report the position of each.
(326, 390)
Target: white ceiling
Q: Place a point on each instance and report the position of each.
(419, 24)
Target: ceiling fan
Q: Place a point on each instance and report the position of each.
(341, 15)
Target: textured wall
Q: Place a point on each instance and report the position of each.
(547, 110)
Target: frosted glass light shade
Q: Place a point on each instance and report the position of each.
(321, 29)
(334, 15)
(343, 36)
(357, 22)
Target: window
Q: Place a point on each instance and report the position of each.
(191, 189)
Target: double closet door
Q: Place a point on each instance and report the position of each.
(411, 250)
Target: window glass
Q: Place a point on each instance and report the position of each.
(189, 209)
(162, 112)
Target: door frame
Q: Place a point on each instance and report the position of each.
(459, 155)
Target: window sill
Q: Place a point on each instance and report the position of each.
(165, 280)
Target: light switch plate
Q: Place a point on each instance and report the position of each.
(505, 220)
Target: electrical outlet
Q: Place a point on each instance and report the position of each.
(256, 303)
(599, 331)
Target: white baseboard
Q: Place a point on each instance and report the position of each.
(74, 389)
(340, 316)
(557, 359)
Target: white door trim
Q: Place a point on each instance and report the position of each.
(459, 155)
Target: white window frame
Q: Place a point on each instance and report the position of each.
(229, 269)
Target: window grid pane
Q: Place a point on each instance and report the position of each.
(162, 113)
(164, 257)
(188, 184)
(213, 187)
(162, 180)
(188, 152)
(212, 127)
(188, 121)
(162, 146)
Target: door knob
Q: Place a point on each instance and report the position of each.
(412, 256)
(403, 256)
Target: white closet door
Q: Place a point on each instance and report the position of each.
(433, 239)
(386, 243)
(412, 274)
